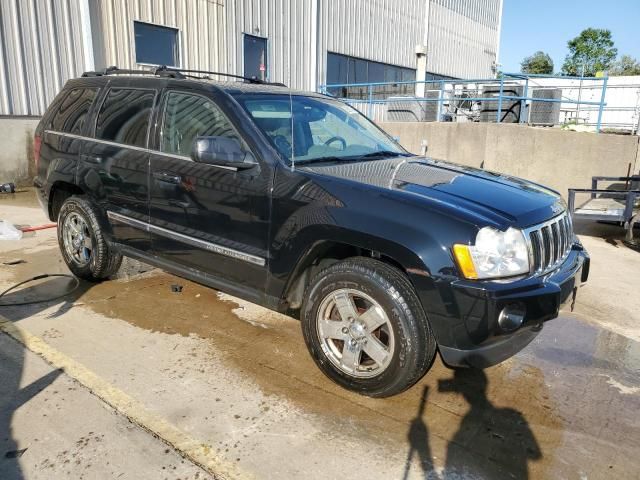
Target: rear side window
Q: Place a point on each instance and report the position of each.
(71, 112)
(124, 116)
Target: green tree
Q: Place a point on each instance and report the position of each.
(539, 62)
(592, 50)
(627, 65)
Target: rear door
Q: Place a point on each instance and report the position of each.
(114, 167)
(204, 216)
(63, 138)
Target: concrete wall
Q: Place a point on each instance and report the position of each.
(559, 159)
(556, 158)
(16, 149)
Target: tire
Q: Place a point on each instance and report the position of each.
(82, 243)
(348, 350)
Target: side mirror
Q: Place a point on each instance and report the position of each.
(222, 151)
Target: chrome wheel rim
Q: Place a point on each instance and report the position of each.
(355, 333)
(77, 241)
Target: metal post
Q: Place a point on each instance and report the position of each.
(370, 106)
(579, 94)
(499, 114)
(440, 100)
(602, 97)
(523, 102)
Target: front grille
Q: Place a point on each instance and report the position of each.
(550, 243)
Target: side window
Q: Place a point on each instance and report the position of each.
(189, 116)
(70, 113)
(124, 116)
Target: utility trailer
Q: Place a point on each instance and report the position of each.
(620, 203)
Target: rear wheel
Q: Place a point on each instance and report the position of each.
(82, 244)
(365, 327)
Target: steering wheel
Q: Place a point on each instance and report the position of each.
(282, 144)
(337, 139)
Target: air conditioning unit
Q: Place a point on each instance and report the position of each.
(510, 111)
(545, 113)
(412, 109)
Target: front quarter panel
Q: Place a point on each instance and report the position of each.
(308, 209)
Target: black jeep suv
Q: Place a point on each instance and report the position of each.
(297, 202)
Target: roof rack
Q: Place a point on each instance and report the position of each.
(170, 72)
(207, 72)
(113, 70)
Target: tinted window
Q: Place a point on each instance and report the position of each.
(189, 116)
(345, 69)
(337, 68)
(71, 112)
(155, 44)
(255, 57)
(124, 116)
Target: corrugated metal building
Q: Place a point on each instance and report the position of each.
(303, 43)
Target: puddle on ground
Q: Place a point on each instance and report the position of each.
(23, 197)
(499, 420)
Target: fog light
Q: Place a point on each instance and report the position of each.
(511, 317)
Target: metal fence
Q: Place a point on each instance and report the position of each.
(582, 103)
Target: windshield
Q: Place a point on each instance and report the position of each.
(321, 129)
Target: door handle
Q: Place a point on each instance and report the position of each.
(167, 178)
(92, 159)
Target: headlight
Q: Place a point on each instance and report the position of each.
(495, 254)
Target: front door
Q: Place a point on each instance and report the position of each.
(203, 216)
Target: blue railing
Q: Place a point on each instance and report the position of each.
(505, 80)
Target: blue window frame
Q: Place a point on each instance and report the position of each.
(156, 44)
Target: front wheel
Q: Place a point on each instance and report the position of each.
(365, 327)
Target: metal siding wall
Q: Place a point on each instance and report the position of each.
(201, 24)
(41, 46)
(298, 40)
(42, 42)
(463, 37)
(288, 26)
(381, 30)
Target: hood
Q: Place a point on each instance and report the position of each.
(500, 199)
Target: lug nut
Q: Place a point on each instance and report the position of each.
(345, 330)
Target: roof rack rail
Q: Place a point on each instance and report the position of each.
(170, 72)
(113, 70)
(164, 68)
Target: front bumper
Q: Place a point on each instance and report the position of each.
(479, 341)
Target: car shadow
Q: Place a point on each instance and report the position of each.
(12, 361)
(12, 397)
(490, 442)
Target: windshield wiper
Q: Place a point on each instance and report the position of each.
(319, 160)
(352, 158)
(382, 153)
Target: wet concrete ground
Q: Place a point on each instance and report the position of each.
(238, 378)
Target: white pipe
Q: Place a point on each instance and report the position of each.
(87, 39)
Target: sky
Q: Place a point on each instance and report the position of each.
(548, 25)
